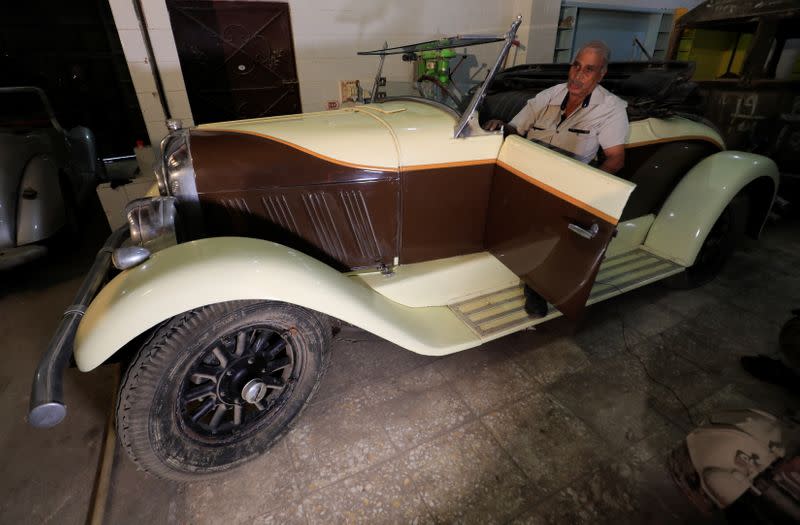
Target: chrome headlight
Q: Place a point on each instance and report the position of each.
(176, 174)
(152, 228)
(152, 222)
(161, 178)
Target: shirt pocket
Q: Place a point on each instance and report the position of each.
(541, 135)
(582, 142)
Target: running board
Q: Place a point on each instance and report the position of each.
(502, 312)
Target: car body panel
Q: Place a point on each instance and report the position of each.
(540, 202)
(442, 281)
(596, 191)
(344, 215)
(444, 211)
(349, 137)
(425, 136)
(695, 204)
(16, 151)
(651, 130)
(385, 136)
(41, 213)
(630, 235)
(213, 270)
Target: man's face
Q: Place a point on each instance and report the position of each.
(585, 72)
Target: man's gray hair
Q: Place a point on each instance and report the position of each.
(601, 48)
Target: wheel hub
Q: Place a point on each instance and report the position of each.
(254, 391)
(237, 382)
(240, 381)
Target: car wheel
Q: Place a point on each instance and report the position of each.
(215, 387)
(718, 246)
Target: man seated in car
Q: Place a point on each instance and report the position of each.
(579, 116)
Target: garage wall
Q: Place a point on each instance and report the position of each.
(327, 38)
(166, 55)
(328, 34)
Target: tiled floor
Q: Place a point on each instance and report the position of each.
(566, 424)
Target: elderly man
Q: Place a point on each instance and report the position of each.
(578, 116)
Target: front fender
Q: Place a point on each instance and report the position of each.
(695, 204)
(213, 270)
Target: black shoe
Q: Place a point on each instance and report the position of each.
(535, 304)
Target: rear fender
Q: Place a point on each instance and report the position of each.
(41, 211)
(213, 270)
(698, 200)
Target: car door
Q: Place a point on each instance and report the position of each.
(550, 220)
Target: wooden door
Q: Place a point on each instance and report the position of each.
(237, 58)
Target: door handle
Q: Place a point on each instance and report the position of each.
(591, 233)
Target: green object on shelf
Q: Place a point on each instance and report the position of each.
(436, 64)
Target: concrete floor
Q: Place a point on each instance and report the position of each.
(558, 425)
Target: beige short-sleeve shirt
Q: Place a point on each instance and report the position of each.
(601, 121)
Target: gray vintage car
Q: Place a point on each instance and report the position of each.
(45, 173)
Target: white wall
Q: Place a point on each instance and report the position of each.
(166, 56)
(328, 33)
(328, 37)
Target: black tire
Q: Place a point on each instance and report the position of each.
(163, 427)
(718, 246)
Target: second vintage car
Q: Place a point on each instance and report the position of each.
(402, 217)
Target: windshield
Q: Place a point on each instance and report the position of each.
(440, 72)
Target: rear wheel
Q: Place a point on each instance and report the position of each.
(217, 386)
(718, 246)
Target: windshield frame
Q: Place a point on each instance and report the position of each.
(448, 43)
(477, 98)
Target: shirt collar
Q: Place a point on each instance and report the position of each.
(597, 96)
(583, 104)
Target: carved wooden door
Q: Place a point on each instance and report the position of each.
(237, 58)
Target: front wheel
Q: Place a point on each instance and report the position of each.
(217, 386)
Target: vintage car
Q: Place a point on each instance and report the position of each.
(402, 217)
(46, 173)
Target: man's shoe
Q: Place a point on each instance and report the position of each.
(535, 305)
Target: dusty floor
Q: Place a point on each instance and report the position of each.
(560, 425)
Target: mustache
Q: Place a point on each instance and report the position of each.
(575, 83)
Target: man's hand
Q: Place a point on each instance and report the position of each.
(493, 124)
(615, 159)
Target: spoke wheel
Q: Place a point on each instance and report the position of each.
(236, 383)
(217, 386)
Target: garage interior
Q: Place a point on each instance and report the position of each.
(570, 422)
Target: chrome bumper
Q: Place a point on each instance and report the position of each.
(47, 407)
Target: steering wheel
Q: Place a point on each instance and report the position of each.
(443, 88)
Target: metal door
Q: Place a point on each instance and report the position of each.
(551, 219)
(237, 58)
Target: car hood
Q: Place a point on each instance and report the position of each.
(389, 136)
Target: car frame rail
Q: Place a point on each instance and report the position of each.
(47, 407)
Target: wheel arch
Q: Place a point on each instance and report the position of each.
(688, 214)
(221, 269)
(761, 193)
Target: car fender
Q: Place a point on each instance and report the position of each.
(218, 269)
(700, 197)
(41, 209)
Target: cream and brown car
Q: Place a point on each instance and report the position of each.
(402, 217)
